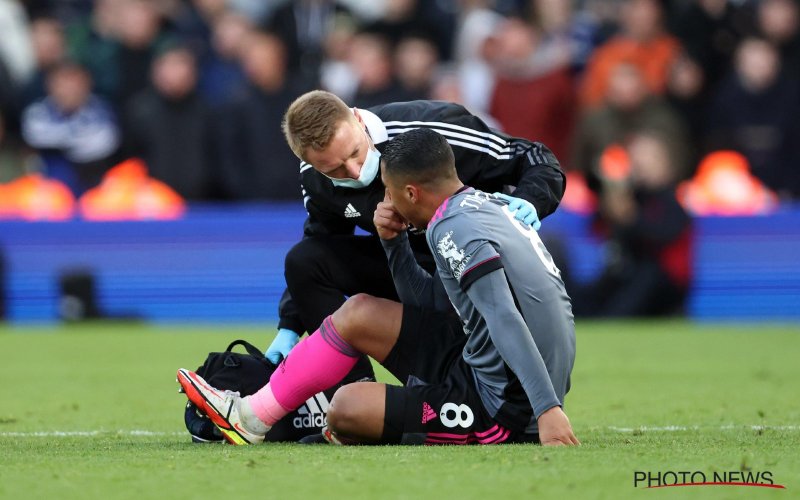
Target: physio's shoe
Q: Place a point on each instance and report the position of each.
(222, 407)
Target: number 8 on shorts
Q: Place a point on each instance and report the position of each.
(453, 415)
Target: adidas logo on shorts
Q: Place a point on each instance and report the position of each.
(313, 413)
(350, 211)
(427, 413)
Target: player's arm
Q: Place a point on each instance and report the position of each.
(488, 290)
(487, 287)
(414, 285)
(484, 155)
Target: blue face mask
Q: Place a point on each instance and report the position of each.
(369, 170)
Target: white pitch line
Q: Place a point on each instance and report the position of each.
(677, 428)
(135, 432)
(146, 433)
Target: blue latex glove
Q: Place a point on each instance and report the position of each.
(523, 210)
(283, 343)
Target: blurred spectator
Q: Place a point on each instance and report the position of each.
(402, 18)
(304, 25)
(15, 43)
(66, 11)
(193, 20)
(687, 94)
(140, 34)
(366, 10)
(118, 43)
(476, 25)
(709, 30)
(566, 29)
(642, 42)
(372, 63)
(168, 126)
(647, 265)
(756, 112)
(49, 48)
(521, 68)
(12, 159)
(74, 131)
(256, 162)
(447, 87)
(168, 9)
(779, 24)
(336, 73)
(257, 11)
(605, 14)
(517, 50)
(540, 107)
(221, 74)
(7, 89)
(416, 61)
(211, 10)
(91, 41)
(628, 109)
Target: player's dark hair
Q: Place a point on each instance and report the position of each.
(421, 155)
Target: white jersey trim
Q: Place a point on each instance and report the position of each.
(499, 141)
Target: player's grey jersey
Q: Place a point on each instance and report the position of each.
(518, 316)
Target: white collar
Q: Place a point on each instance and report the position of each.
(375, 126)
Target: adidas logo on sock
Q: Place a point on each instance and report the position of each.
(313, 413)
(350, 211)
(427, 413)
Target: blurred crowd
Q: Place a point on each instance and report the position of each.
(656, 108)
(197, 88)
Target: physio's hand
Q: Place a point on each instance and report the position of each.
(555, 429)
(387, 220)
(280, 347)
(523, 210)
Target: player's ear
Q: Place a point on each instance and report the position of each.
(412, 193)
(357, 114)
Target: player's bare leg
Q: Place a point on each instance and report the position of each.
(357, 412)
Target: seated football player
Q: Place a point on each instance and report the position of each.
(495, 373)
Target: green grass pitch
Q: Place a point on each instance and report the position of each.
(92, 412)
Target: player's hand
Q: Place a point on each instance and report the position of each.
(555, 429)
(388, 221)
(280, 347)
(523, 210)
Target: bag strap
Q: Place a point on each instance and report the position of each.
(250, 348)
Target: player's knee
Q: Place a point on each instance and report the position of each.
(344, 413)
(354, 315)
(303, 259)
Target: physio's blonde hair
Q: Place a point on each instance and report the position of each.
(311, 121)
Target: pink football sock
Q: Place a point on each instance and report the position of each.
(317, 363)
